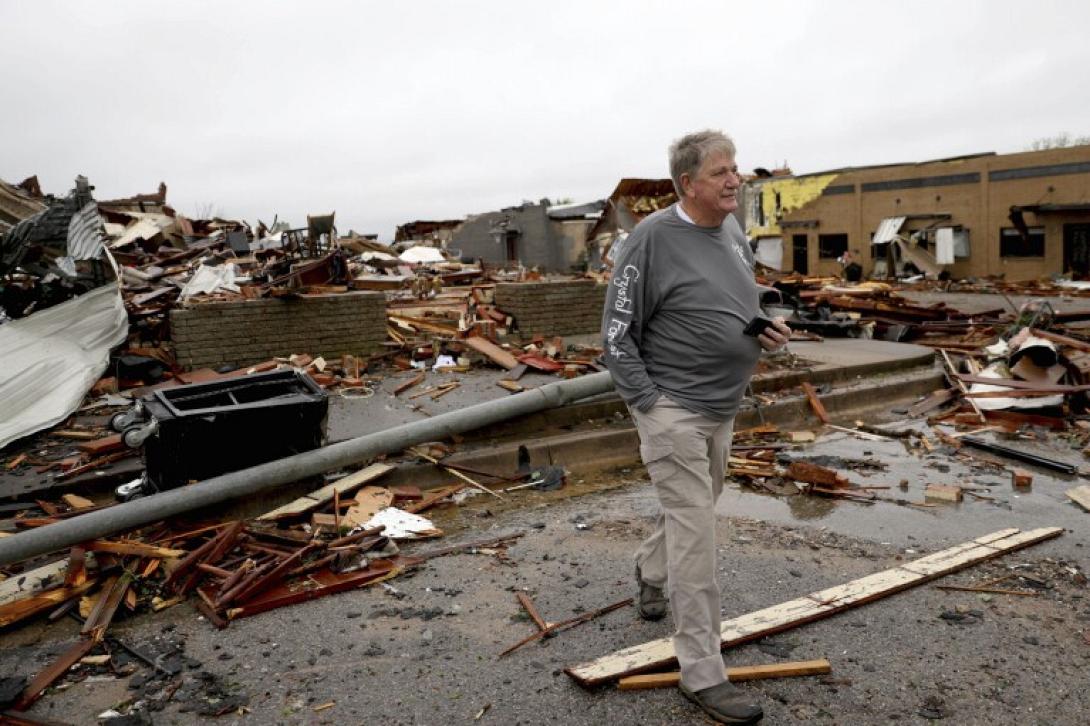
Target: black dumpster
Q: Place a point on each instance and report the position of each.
(206, 429)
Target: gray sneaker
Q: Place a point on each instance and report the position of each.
(725, 703)
(651, 602)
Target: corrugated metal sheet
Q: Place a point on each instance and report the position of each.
(49, 360)
(85, 233)
(887, 230)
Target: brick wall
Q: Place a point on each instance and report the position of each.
(250, 331)
(553, 308)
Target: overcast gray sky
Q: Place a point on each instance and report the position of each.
(389, 112)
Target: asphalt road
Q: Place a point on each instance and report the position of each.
(426, 651)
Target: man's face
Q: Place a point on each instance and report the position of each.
(714, 188)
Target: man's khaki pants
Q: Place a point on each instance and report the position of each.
(685, 454)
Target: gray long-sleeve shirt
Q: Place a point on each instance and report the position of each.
(678, 301)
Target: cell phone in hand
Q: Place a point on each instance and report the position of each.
(757, 326)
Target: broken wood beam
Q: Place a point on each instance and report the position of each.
(409, 384)
(493, 352)
(659, 654)
(454, 472)
(815, 402)
(734, 674)
(531, 610)
(58, 668)
(320, 497)
(433, 497)
(565, 624)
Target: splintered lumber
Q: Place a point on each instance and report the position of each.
(511, 386)
(952, 374)
(810, 473)
(493, 352)
(317, 498)
(936, 399)
(322, 583)
(531, 610)
(658, 655)
(735, 674)
(1080, 495)
(815, 403)
(565, 624)
(57, 669)
(75, 501)
(415, 380)
(453, 472)
(138, 549)
(27, 607)
(943, 492)
(432, 498)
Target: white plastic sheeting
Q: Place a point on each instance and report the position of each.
(50, 359)
(207, 279)
(400, 524)
(887, 230)
(422, 254)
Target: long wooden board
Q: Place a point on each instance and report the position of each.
(658, 655)
(734, 674)
(324, 495)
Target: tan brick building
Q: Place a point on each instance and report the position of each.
(1018, 215)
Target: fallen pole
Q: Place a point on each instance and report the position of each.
(223, 488)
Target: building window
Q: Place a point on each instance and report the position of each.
(1013, 244)
(831, 246)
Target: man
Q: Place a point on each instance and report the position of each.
(681, 295)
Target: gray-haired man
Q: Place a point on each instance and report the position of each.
(681, 296)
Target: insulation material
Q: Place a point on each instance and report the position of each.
(49, 360)
(403, 525)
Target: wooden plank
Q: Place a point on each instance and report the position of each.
(815, 403)
(28, 607)
(735, 674)
(75, 501)
(58, 668)
(1080, 495)
(139, 549)
(493, 352)
(659, 654)
(432, 498)
(936, 399)
(418, 378)
(324, 495)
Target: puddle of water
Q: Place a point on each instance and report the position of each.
(883, 521)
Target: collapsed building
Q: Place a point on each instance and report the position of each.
(550, 237)
(1020, 216)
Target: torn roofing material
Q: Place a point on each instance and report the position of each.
(49, 360)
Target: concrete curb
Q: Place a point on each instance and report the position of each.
(593, 450)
